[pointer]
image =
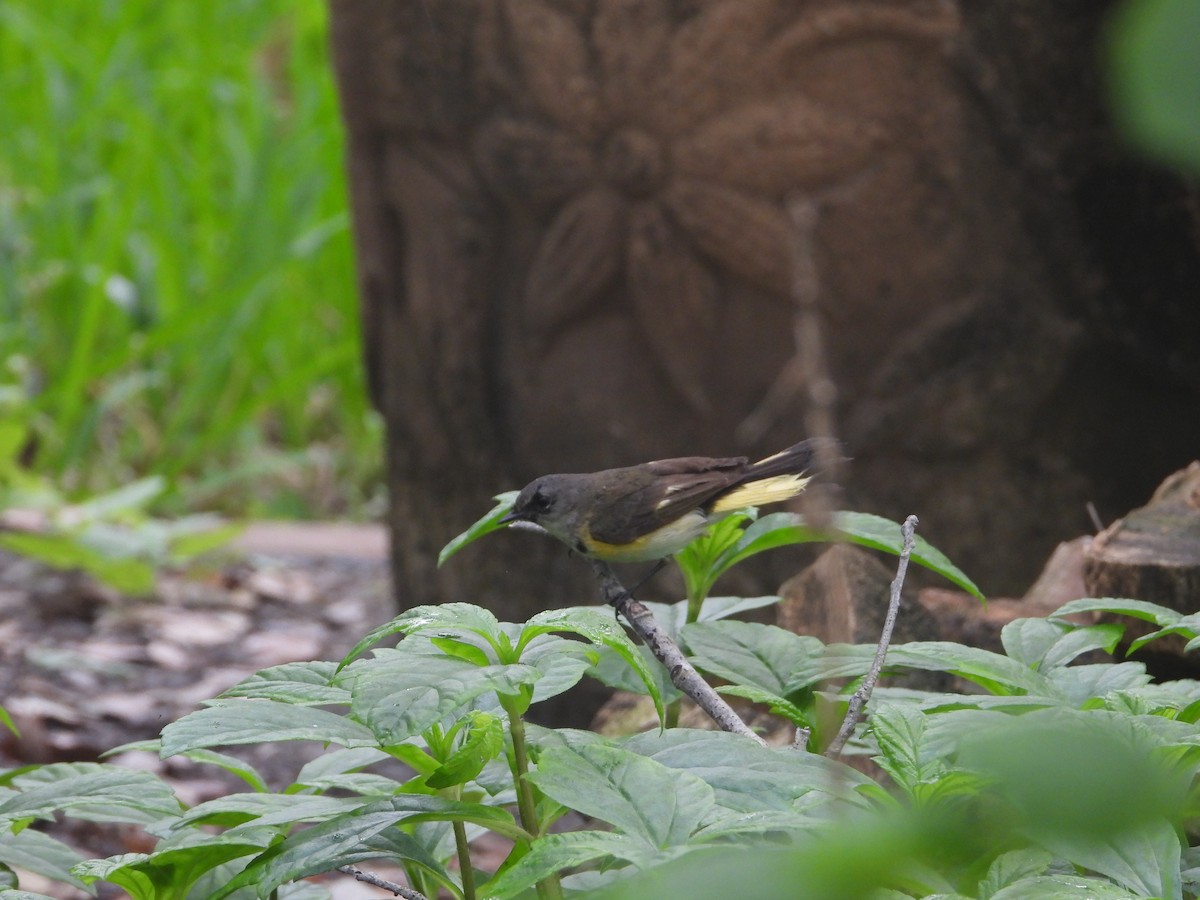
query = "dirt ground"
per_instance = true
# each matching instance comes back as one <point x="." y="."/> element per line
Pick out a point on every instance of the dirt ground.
<point x="83" y="670"/>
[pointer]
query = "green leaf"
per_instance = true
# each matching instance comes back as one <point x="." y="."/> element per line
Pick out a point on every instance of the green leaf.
<point x="752" y="654"/>
<point x="257" y="810"/>
<point x="300" y="683"/>
<point x="563" y="663"/>
<point x="1060" y="887"/>
<point x="338" y="762"/>
<point x="1012" y="867"/>
<point x="90" y="791"/>
<point x="186" y="547"/>
<point x="639" y="796"/>
<point x="39" y="853"/>
<point x="171" y="870"/>
<point x="65" y="551"/>
<point x="261" y="721"/>
<point x="131" y="497"/>
<point x="484" y="742"/>
<point x="446" y="616"/>
<point x="554" y="853"/>
<point x="1143" y="857"/>
<point x="1156" y="77"/>
<point x="899" y="732"/>
<point x="864" y="529"/>
<point x="1138" y="609"/>
<point x="599" y="627"/>
<point x="778" y="705"/>
<point x="231" y="764"/>
<point x="366" y="833"/>
<point x="746" y="777"/>
<point x="400" y="695"/>
<point x="489" y="523"/>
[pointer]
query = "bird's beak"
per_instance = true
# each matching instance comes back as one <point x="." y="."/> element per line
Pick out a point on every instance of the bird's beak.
<point x="511" y="517"/>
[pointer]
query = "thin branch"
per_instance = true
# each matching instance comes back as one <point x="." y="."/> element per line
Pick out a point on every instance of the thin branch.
<point x="397" y="889"/>
<point x="863" y="694"/>
<point x="666" y="651"/>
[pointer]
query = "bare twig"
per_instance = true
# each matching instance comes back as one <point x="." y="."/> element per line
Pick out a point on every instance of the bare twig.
<point x="397" y="889"/>
<point x="863" y="694"/>
<point x="683" y="674"/>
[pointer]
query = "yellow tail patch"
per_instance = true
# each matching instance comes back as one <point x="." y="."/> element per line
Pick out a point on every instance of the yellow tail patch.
<point x="760" y="493"/>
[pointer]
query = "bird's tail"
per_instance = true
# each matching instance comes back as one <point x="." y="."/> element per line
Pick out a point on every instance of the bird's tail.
<point x="777" y="478"/>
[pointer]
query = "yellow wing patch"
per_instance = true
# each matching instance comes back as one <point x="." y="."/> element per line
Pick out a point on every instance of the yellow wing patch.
<point x="760" y="493"/>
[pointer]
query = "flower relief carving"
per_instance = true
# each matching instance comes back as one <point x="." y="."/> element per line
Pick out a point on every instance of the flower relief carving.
<point x="660" y="151"/>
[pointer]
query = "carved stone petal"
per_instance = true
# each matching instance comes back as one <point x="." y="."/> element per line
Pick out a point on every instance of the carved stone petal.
<point x="554" y="60"/>
<point x="630" y="37"/>
<point x="675" y="301"/>
<point x="746" y="236"/>
<point x="713" y="59"/>
<point x="772" y="146"/>
<point x="579" y="257"/>
<point x="531" y="164"/>
<point x="845" y="23"/>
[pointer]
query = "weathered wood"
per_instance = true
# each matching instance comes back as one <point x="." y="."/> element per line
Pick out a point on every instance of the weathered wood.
<point x="1153" y="553"/>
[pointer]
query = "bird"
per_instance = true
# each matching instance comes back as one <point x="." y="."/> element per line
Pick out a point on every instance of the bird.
<point x="653" y="510"/>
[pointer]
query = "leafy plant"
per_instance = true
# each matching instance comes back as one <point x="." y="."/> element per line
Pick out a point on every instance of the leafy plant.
<point x="109" y="536"/>
<point x="1047" y="778"/>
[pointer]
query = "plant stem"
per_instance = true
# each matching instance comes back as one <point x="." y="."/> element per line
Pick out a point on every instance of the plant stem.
<point x="464" y="861"/>
<point x="549" y="888"/>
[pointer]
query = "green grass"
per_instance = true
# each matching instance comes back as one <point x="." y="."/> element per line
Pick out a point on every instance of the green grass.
<point x="176" y="280"/>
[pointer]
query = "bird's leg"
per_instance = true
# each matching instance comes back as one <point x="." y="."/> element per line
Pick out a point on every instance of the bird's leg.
<point x="658" y="567"/>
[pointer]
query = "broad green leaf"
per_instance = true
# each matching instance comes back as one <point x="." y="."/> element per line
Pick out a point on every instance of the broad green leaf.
<point x="778" y="705"/>
<point x="612" y="669"/>
<point x="598" y="627"/>
<point x="1060" y="887"/>
<point x="302" y="683"/>
<point x="700" y="561"/>
<point x="36" y="852"/>
<point x="339" y="762"/>
<point x="447" y="616"/>
<point x="127" y="498"/>
<point x="876" y="532"/>
<point x="563" y="664"/>
<point x="1142" y="857"/>
<point x="402" y="694"/>
<point x="65" y="551"/>
<point x="7" y="722"/>
<point x="1079" y="641"/>
<point x="486" y="525"/>
<point x="1187" y="627"/>
<point x="639" y="796"/>
<point x="1078" y="684"/>
<point x="1027" y="640"/>
<point x="1034" y="761"/>
<point x="748" y="653"/>
<point x="484" y="742"/>
<point x="554" y="853"/>
<point x="91" y="791"/>
<point x="231" y="764"/>
<point x="168" y="872"/>
<point x="899" y="731"/>
<point x="365" y="833"/>
<point x="745" y="776"/>
<point x="1012" y="867"/>
<point x="1138" y="609"/>
<point x="994" y="672"/>
<point x="191" y="544"/>
<point x="260" y="721"/>
<point x="266" y="809"/>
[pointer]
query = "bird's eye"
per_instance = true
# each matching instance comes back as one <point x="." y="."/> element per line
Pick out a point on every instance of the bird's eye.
<point x="540" y="502"/>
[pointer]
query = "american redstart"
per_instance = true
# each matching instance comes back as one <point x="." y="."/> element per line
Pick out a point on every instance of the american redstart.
<point x="646" y="512"/>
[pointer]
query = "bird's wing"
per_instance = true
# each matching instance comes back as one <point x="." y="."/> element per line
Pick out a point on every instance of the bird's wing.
<point x="644" y="504"/>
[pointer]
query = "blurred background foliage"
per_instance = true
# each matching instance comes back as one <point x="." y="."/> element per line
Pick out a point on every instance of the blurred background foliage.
<point x="177" y="293"/>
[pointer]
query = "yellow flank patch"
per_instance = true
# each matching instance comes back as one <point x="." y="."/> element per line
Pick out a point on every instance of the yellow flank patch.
<point x="669" y="539"/>
<point x="760" y="493"/>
